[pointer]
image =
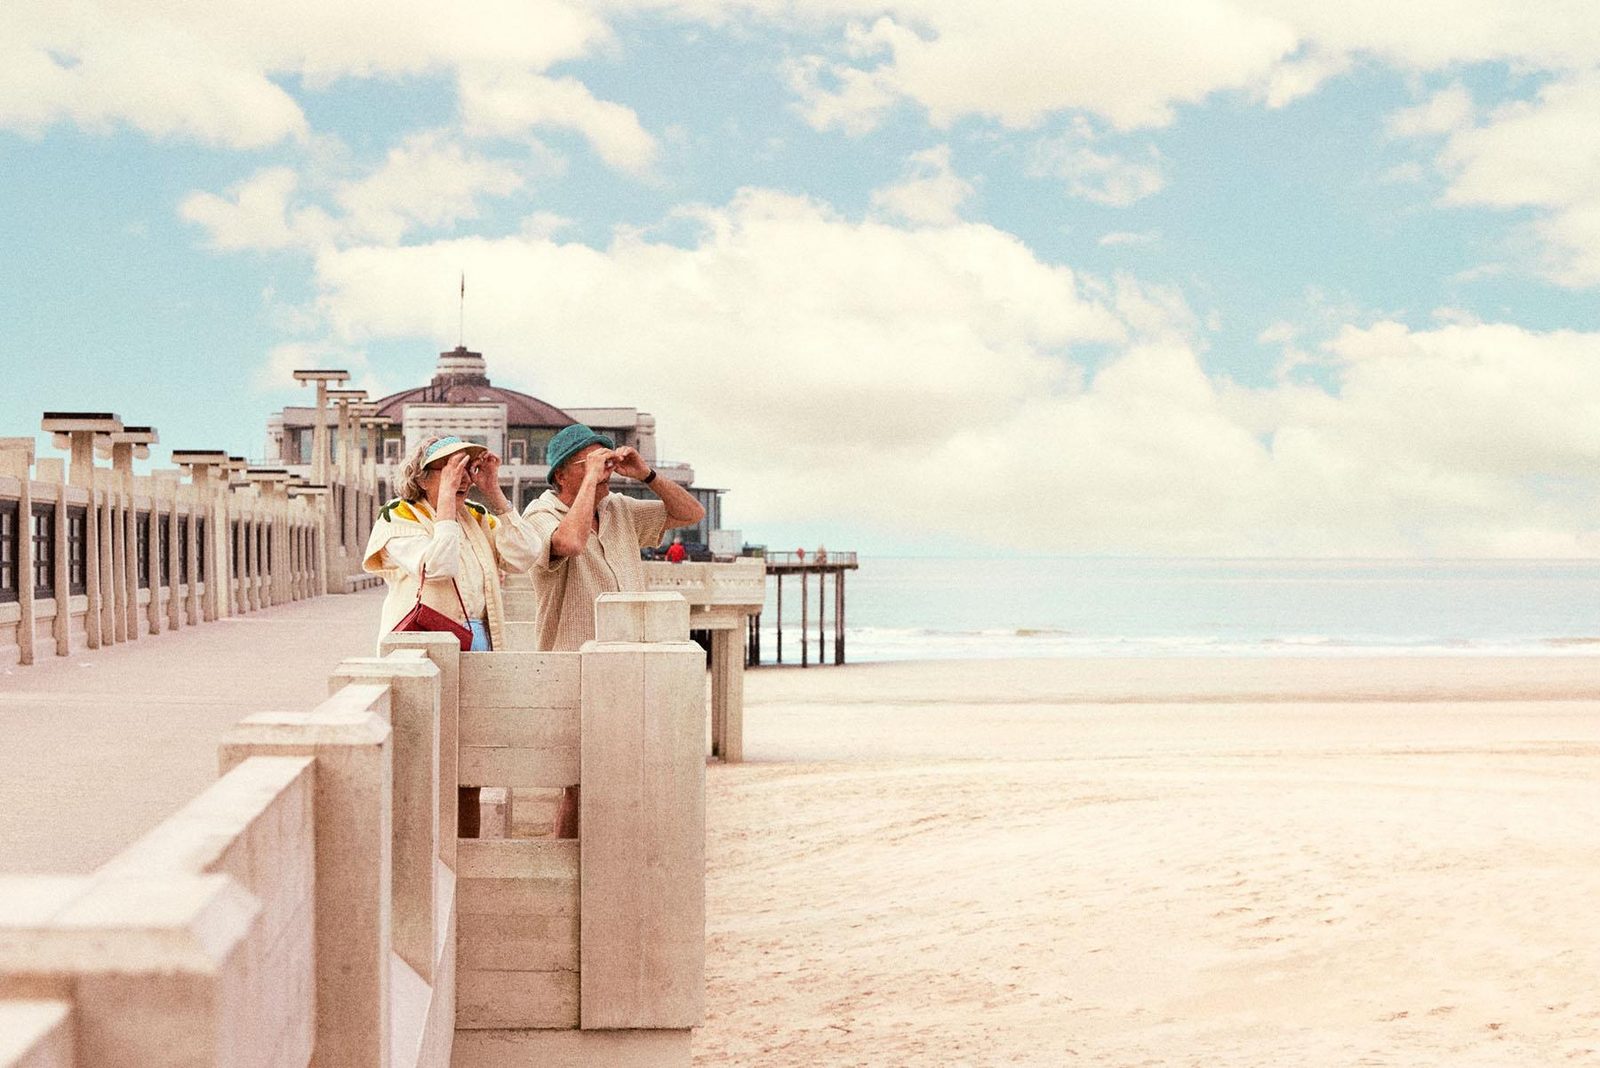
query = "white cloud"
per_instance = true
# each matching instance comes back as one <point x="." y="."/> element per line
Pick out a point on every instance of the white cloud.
<point x="106" y="70"/>
<point x="1132" y="64"/>
<point x="1102" y="177"/>
<point x="255" y="214"/>
<point x="1129" y="238"/>
<point x="823" y="366"/>
<point x="1300" y="77"/>
<point x="510" y="102"/>
<point x="428" y="180"/>
<point x="931" y="191"/>
<point x="1019" y="61"/>
<point x="277" y="373"/>
<point x="209" y="70"/>
<point x="1540" y="154"/>
<point x="1445" y="112"/>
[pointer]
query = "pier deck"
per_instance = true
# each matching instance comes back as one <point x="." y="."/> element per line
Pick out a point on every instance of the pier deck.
<point x="102" y="745"/>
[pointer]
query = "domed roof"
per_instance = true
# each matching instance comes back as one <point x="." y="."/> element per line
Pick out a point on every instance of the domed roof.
<point x="461" y="378"/>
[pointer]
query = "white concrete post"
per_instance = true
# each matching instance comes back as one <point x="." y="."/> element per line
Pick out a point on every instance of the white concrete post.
<point x="101" y="510"/>
<point x="63" y="575"/>
<point x="16" y="459"/>
<point x="82" y="474"/>
<point x="642" y="820"/>
<point x="414" y="719"/>
<point x="445" y="653"/>
<point x="727" y="695"/>
<point x="350" y="738"/>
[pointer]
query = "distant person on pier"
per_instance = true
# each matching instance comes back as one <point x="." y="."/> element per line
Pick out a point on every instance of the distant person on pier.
<point x="676" y="553"/>
<point x="588" y="542"/>
<point x="431" y="527"/>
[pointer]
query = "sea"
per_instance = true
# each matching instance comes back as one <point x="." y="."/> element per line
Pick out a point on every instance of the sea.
<point x="920" y="608"/>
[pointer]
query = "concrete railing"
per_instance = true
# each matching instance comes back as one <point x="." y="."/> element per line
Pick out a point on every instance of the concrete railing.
<point x="91" y="556"/>
<point x="738" y="583"/>
<point x="313" y="907"/>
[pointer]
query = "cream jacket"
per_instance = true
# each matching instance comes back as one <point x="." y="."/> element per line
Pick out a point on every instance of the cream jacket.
<point x="470" y="551"/>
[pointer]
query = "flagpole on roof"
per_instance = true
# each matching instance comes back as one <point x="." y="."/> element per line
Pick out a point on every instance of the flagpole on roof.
<point x="461" y="338"/>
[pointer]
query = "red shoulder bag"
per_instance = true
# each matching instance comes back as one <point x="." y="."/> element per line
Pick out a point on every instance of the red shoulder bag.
<point x="421" y="617"/>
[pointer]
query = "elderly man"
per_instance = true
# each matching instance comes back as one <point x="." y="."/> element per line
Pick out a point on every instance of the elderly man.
<point x="590" y="541"/>
<point x="591" y="537"/>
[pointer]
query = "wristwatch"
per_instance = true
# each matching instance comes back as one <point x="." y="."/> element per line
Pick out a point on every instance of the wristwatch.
<point x="651" y="477"/>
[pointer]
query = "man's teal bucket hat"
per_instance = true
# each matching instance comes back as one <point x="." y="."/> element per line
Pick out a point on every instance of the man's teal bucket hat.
<point x="571" y="440"/>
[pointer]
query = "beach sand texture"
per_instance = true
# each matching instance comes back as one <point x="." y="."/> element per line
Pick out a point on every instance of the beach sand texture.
<point x="1160" y="862"/>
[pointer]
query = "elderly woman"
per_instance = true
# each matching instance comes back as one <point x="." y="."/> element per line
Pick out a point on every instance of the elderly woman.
<point x="432" y="529"/>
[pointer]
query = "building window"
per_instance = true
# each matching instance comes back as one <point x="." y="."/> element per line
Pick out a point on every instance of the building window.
<point x="183" y="549"/>
<point x="141" y="531"/>
<point x="238" y="552"/>
<point x="391" y="450"/>
<point x="9" y="534"/>
<point x="44" y="550"/>
<point x="519" y="451"/>
<point x="200" y="557"/>
<point x="77" y="550"/>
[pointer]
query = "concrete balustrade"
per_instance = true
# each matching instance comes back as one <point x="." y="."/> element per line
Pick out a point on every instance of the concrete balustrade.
<point x="313" y="907"/>
<point x="93" y="556"/>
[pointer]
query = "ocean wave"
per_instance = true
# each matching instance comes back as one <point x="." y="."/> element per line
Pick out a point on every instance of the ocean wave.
<point x="931" y="643"/>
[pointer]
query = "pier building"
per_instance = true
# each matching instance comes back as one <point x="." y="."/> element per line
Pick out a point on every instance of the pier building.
<point x="461" y="400"/>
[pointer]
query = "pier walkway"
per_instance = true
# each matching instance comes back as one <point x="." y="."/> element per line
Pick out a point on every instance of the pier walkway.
<point x="102" y="745"/>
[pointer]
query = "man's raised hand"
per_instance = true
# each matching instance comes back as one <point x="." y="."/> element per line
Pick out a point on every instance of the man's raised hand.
<point x="630" y="463"/>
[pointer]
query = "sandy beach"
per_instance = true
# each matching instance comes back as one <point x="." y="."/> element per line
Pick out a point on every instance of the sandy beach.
<point x="1159" y="862"/>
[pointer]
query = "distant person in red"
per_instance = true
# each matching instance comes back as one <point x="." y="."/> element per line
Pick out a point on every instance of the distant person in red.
<point x="676" y="553"/>
<point x="801" y="554"/>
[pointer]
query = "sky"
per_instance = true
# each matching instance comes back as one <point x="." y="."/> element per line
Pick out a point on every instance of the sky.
<point x="1197" y="277"/>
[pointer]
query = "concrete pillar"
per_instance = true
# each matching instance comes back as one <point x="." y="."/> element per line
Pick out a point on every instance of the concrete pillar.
<point x="62" y="575"/>
<point x="127" y="563"/>
<point x="170" y="493"/>
<point x="16" y="460"/>
<point x="414" y="721"/>
<point x="350" y="738"/>
<point x="727" y="695"/>
<point x="319" y="435"/>
<point x="103" y="513"/>
<point x="191" y="525"/>
<point x="445" y="653"/>
<point x="117" y="516"/>
<point x="154" y="611"/>
<point x="642" y="823"/>
<point x="81" y="473"/>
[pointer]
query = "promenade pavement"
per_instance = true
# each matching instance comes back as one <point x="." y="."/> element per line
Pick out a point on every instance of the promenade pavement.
<point x="98" y="747"/>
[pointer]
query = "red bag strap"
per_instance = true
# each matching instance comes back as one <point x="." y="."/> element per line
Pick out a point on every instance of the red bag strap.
<point x="423" y="584"/>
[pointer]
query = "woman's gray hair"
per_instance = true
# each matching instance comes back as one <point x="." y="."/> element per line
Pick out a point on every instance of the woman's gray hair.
<point x="410" y="486"/>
